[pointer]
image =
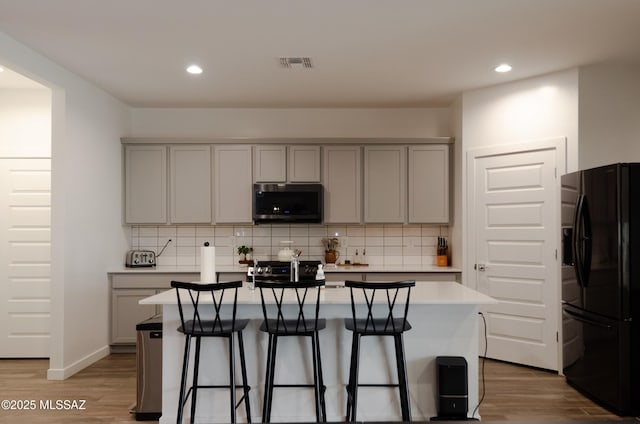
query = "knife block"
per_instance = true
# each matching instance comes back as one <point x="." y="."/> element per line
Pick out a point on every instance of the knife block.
<point x="442" y="258"/>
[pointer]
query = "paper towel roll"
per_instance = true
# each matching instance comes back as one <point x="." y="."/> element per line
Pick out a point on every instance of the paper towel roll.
<point x="208" y="264"/>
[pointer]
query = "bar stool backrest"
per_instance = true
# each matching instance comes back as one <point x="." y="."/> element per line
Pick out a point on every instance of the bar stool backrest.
<point x="290" y="307"/>
<point x="380" y="306"/>
<point x="194" y="298"/>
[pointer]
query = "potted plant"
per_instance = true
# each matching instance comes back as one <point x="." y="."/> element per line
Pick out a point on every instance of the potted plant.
<point x="245" y="253"/>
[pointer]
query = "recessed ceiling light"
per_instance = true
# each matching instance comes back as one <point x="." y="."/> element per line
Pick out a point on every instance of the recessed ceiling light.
<point x="503" y="68"/>
<point x="1" y="69"/>
<point x="194" y="69"/>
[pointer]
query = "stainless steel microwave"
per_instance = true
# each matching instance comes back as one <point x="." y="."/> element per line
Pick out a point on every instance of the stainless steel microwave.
<point x="287" y="203"/>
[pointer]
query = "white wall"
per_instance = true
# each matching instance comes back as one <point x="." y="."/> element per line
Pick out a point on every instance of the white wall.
<point x="456" y="225"/>
<point x="609" y="114"/>
<point x="532" y="109"/>
<point x="25" y="122"/>
<point x="274" y="123"/>
<point x="87" y="233"/>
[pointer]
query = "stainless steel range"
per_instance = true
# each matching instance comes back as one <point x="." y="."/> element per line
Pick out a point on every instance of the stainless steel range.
<point x="281" y="271"/>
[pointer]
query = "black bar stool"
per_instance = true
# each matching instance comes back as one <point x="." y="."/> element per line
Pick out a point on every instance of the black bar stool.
<point x="281" y="321"/>
<point x="384" y="315"/>
<point x="210" y="316"/>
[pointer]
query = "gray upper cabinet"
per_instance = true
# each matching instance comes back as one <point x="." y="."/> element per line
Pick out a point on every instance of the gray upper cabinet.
<point x="270" y="163"/>
<point x="212" y="183"/>
<point x="233" y="184"/>
<point x="385" y="184"/>
<point x="145" y="179"/>
<point x="429" y="184"/>
<point x="280" y="163"/>
<point x="304" y="164"/>
<point x="342" y="180"/>
<point x="190" y="184"/>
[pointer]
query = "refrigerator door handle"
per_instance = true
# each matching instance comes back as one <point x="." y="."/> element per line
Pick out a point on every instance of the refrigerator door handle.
<point x="580" y="318"/>
<point x="582" y="242"/>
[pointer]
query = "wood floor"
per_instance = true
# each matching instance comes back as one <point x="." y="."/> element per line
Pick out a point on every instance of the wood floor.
<point x="513" y="393"/>
<point x="518" y="393"/>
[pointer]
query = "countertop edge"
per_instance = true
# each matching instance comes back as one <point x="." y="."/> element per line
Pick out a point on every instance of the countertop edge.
<point x="426" y="293"/>
<point x="329" y="269"/>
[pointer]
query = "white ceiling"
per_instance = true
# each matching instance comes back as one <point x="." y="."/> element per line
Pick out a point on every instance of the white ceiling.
<point x="365" y="53"/>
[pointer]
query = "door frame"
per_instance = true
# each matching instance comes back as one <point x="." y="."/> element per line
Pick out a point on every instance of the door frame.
<point x="470" y="277"/>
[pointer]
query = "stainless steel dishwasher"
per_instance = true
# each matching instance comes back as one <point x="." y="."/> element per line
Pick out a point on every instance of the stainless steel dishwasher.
<point x="149" y="369"/>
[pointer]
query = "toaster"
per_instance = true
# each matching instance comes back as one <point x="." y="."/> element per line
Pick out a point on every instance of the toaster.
<point x="140" y="258"/>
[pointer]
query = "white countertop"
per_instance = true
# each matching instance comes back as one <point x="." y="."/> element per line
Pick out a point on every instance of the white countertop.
<point x="424" y="293"/>
<point x="190" y="269"/>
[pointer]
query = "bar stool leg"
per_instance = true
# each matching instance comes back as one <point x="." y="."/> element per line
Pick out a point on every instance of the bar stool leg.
<point x="267" y="378"/>
<point x="350" y="383"/>
<point x="268" y="390"/>
<point x="402" y="378"/>
<point x="183" y="379"/>
<point x="355" y="365"/>
<point x="232" y="378"/>
<point x="245" y="381"/>
<point x="323" y="405"/>
<point x="194" y="387"/>
<point x="316" y="378"/>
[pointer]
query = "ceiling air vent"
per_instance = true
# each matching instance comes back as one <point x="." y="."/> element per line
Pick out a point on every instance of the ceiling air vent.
<point x="295" y="62"/>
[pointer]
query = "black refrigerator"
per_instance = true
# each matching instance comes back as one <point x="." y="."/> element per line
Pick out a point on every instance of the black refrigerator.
<point x="601" y="284"/>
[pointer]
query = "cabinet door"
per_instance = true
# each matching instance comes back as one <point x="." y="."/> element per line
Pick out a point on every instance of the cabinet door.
<point x="342" y="180"/>
<point x="190" y="176"/>
<point x="385" y="184"/>
<point x="304" y="164"/>
<point x="270" y="164"/>
<point x="145" y="179"/>
<point x="126" y="313"/>
<point x="233" y="186"/>
<point x="429" y="184"/>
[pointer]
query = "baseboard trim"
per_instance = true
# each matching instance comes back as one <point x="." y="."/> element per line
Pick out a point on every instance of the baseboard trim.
<point x="79" y="365"/>
<point x="125" y="348"/>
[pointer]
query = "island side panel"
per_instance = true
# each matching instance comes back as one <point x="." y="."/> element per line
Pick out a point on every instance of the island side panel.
<point x="448" y="330"/>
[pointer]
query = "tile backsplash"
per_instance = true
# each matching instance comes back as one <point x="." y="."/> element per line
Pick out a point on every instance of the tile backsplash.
<point x="382" y="244"/>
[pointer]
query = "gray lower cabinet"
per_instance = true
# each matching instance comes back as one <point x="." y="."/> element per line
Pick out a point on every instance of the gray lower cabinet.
<point x="332" y="277"/>
<point x="126" y="313"/>
<point x="126" y="291"/>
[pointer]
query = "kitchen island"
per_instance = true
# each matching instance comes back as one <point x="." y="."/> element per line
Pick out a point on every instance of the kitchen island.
<point x="445" y="323"/>
<point x="130" y="285"/>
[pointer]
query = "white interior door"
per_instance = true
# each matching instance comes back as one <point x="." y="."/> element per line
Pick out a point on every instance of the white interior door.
<point x="25" y="257"/>
<point x="516" y="226"/>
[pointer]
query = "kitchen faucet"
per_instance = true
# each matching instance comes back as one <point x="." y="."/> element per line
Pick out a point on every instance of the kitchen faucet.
<point x="295" y="266"/>
<point x="252" y="283"/>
